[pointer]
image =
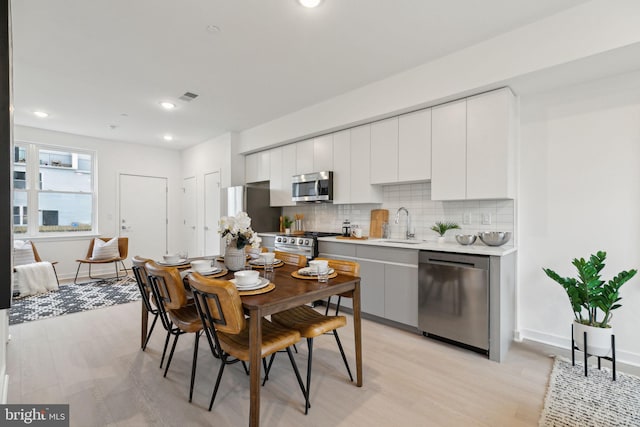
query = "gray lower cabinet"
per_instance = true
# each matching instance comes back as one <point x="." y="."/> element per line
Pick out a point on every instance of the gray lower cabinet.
<point x="389" y="279"/>
<point x="268" y="241"/>
<point x="401" y="294"/>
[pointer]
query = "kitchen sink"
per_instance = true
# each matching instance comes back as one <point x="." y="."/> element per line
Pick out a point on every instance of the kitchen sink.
<point x="403" y="241"/>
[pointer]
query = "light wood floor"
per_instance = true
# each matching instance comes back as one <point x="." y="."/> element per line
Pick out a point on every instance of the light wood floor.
<point x="92" y="361"/>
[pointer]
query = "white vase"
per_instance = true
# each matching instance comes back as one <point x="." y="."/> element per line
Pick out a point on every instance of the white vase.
<point x="441" y="239"/>
<point x="234" y="258"/>
<point x="598" y="339"/>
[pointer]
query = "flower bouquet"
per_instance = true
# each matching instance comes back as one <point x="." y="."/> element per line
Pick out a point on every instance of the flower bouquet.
<point x="237" y="231"/>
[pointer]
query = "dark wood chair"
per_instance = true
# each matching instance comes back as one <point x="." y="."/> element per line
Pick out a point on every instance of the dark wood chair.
<point x="123" y="248"/>
<point x="177" y="314"/>
<point x="312" y="324"/>
<point x="227" y="330"/>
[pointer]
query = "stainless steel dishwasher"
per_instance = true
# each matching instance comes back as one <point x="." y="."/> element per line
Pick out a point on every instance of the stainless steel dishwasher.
<point x="453" y="298"/>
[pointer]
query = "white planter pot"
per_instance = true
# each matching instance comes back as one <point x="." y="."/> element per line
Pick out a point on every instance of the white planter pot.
<point x="441" y="239"/>
<point x="598" y="339"/>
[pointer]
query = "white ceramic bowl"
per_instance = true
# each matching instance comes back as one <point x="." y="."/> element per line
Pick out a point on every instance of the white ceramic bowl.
<point x="254" y="253"/>
<point x="268" y="256"/>
<point x="319" y="265"/>
<point x="171" y="258"/>
<point x="246" y="277"/>
<point x="201" y="265"/>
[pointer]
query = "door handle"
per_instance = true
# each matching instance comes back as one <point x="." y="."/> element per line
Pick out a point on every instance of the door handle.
<point x="193" y="227"/>
<point x="206" y="228"/>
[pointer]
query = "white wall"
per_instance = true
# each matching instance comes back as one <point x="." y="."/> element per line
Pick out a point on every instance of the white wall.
<point x="209" y="156"/>
<point x="587" y="30"/>
<point x="579" y="175"/>
<point x="113" y="158"/>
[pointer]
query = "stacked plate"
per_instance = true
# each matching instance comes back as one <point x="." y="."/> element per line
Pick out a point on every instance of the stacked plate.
<point x="310" y="271"/>
<point x="261" y="283"/>
<point x="174" y="264"/>
<point x="260" y="262"/>
<point x="212" y="270"/>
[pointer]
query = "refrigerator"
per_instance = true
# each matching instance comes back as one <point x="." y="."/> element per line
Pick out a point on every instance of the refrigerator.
<point x="254" y="199"/>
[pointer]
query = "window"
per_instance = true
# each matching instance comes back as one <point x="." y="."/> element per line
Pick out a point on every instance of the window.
<point x="53" y="190"/>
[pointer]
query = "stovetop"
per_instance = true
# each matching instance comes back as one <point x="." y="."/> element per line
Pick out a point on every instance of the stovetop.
<point x="308" y="234"/>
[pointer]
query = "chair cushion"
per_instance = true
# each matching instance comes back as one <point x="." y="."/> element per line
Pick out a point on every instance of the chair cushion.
<point x="307" y="321"/>
<point x="23" y="253"/>
<point x="274" y="338"/>
<point x="105" y="250"/>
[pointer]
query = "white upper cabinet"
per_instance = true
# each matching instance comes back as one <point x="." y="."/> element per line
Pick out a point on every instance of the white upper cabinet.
<point x="342" y="167"/>
<point x="449" y="151"/>
<point x="384" y="151"/>
<point x="304" y="157"/>
<point x="361" y="189"/>
<point x="473" y="153"/>
<point x="283" y="167"/>
<point x="323" y="153"/>
<point x="414" y="146"/>
<point x="490" y="147"/>
<point x="401" y="148"/>
<point x="257" y="166"/>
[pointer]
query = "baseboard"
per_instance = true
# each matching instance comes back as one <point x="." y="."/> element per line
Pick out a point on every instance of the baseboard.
<point x="561" y="342"/>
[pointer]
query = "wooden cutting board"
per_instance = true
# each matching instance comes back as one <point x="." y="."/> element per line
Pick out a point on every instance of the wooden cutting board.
<point x="378" y="217"/>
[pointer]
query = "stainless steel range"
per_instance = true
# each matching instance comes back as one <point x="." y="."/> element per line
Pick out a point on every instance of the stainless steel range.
<point x="304" y="244"/>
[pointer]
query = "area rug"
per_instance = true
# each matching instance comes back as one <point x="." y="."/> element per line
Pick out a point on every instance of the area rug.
<point x="72" y="298"/>
<point x="594" y="401"/>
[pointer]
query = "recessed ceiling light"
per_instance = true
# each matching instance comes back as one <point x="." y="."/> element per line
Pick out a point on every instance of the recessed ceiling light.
<point x="168" y="105"/>
<point x="41" y="114"/>
<point x="168" y="138"/>
<point x="213" y="29"/>
<point x="310" y="3"/>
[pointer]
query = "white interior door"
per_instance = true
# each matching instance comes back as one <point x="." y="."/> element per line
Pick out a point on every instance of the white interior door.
<point x="143" y="214"/>
<point x="189" y="208"/>
<point x="211" y="213"/>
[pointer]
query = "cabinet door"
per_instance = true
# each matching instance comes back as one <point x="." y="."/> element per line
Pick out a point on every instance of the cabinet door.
<point x="448" y="145"/>
<point x="384" y="151"/>
<point x="257" y="166"/>
<point x="401" y="294"/>
<point x="304" y="157"/>
<point x="361" y="189"/>
<point x="276" y="196"/>
<point x="342" y="167"/>
<point x="372" y="287"/>
<point x="282" y="168"/>
<point x="323" y="153"/>
<point x="490" y="153"/>
<point x="414" y="146"/>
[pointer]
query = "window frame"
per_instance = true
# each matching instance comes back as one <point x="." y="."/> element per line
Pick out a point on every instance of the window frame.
<point x="33" y="190"/>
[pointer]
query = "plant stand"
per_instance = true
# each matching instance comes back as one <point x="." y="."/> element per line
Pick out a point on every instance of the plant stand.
<point x="612" y="359"/>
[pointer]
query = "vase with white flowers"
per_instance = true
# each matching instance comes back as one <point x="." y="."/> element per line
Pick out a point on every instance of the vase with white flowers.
<point x="237" y="233"/>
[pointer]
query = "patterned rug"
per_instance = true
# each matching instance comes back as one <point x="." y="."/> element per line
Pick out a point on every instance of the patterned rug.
<point x="594" y="401"/>
<point x="71" y="298"/>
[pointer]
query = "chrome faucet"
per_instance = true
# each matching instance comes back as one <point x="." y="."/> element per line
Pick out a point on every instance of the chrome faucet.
<point x="409" y="234"/>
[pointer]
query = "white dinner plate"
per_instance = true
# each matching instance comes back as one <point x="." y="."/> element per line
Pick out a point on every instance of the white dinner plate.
<point x="262" y="282"/>
<point x="261" y="262"/>
<point x="213" y="270"/>
<point x="309" y="271"/>
<point x="174" y="264"/>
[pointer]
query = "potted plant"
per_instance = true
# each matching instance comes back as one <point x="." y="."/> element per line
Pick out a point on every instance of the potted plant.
<point x="442" y="227"/>
<point x="237" y="233"/>
<point x="592" y="300"/>
<point x="287" y="222"/>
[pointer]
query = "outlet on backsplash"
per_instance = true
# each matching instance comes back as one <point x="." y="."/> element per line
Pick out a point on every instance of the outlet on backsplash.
<point x="486" y="218"/>
<point x="466" y="218"/>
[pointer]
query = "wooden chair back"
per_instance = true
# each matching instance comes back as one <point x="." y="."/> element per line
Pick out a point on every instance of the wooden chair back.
<point x="167" y="285"/>
<point x="348" y="268"/>
<point x="291" y="259"/>
<point x="141" y="275"/>
<point x="123" y="246"/>
<point x="218" y="303"/>
<point x="36" y="255"/>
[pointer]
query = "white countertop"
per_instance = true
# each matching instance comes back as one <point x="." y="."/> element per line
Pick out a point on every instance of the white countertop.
<point x="477" y="248"/>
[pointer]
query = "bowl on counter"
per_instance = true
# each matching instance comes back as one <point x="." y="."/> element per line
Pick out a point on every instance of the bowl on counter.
<point x="494" y="238"/>
<point x="466" y="239"/>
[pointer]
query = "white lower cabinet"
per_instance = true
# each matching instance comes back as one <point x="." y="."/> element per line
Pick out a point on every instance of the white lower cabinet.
<point x="388" y="279"/>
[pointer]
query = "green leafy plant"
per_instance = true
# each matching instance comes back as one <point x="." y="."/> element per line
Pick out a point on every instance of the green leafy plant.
<point x="442" y="227"/>
<point x="590" y="296"/>
<point x="287" y="222"/>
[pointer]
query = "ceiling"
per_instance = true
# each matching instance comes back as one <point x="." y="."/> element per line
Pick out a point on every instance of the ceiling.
<point x="100" y="68"/>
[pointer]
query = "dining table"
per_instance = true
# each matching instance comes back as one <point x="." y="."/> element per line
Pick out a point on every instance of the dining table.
<point x="289" y="292"/>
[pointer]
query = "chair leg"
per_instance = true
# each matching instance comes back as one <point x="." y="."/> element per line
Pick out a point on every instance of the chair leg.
<point x="310" y="358"/>
<point x="116" y="265"/>
<point x="153" y="324"/>
<point x="193" y="365"/>
<point x="56" y="274"/>
<point x="305" y="393"/>
<point x="173" y="347"/>
<point x="244" y="365"/>
<point x="215" y="388"/>
<point x="164" y="351"/>
<point x="75" y="280"/>
<point x="268" y="368"/>
<point x="344" y="357"/>
<point x="326" y="310"/>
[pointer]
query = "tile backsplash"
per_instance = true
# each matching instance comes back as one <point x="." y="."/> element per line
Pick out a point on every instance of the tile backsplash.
<point x="424" y="213"/>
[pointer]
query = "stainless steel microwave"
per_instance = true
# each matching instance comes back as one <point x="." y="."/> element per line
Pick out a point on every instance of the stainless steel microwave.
<point x="312" y="187"/>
